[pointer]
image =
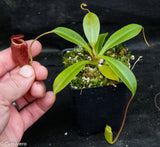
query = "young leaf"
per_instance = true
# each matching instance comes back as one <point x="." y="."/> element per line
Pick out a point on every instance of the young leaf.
<point x="108" y="72"/>
<point x="100" y="42"/>
<point x="64" y="78"/>
<point x="91" y="26"/>
<point x="123" y="72"/>
<point x="123" y="34"/>
<point x="73" y="37"/>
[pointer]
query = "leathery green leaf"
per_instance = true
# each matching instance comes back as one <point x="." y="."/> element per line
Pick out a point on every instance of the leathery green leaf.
<point x="91" y="26"/>
<point x="73" y="37"/>
<point x="123" y="34"/>
<point x="108" y="72"/>
<point x="100" y="42"/>
<point x="123" y="72"/>
<point x="64" y="78"/>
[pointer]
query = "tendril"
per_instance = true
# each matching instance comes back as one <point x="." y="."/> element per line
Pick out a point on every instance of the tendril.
<point x="85" y="9"/>
<point x="146" y="39"/>
<point x="108" y="129"/>
<point x="155" y="101"/>
<point x="30" y="51"/>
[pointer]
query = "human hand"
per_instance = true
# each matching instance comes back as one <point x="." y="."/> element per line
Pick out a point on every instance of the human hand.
<point x="24" y="86"/>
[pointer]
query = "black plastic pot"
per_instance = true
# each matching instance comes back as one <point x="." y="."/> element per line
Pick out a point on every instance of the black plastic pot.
<point x="96" y="107"/>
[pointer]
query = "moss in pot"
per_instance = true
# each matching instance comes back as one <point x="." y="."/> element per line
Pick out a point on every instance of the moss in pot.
<point x="108" y="60"/>
<point x="90" y="75"/>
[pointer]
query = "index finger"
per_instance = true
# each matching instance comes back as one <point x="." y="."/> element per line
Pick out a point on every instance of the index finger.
<point x="6" y="61"/>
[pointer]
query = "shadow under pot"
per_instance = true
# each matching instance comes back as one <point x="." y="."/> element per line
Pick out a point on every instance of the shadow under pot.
<point x="96" y="107"/>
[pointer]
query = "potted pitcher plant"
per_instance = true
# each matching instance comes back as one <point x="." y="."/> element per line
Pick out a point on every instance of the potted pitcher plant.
<point x="99" y="73"/>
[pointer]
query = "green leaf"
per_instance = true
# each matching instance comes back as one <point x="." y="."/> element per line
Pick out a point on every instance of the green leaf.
<point x="123" y="34"/>
<point x="100" y="42"/>
<point x="64" y="78"/>
<point x="73" y="37"/>
<point x="123" y="72"/>
<point x="91" y="26"/>
<point x="108" y="72"/>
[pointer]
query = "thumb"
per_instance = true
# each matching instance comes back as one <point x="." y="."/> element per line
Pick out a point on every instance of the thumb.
<point x="17" y="83"/>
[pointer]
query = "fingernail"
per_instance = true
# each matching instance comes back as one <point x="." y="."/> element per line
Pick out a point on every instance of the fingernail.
<point x="26" y="71"/>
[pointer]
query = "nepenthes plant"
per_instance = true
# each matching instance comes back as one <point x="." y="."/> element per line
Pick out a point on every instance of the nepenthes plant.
<point x="96" y="46"/>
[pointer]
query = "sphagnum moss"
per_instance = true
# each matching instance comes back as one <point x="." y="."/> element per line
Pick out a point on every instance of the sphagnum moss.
<point x="90" y="76"/>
